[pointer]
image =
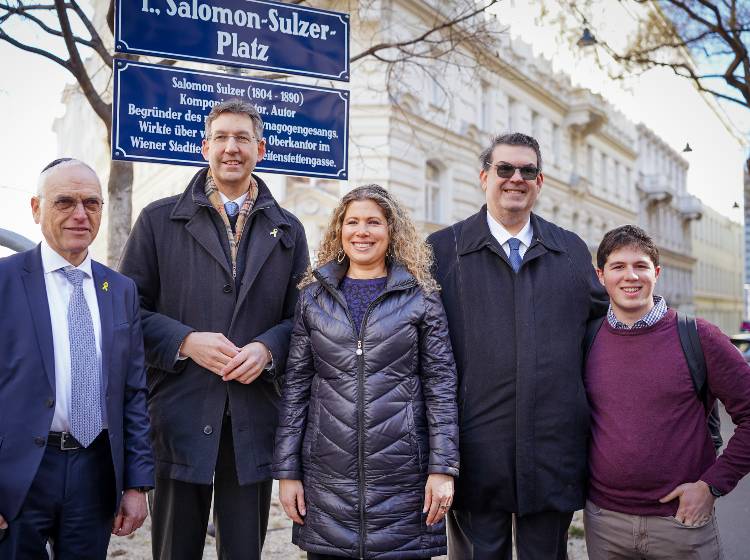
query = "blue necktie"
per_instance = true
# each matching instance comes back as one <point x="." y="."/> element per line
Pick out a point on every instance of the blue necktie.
<point x="232" y="209"/>
<point x="515" y="256"/>
<point x="86" y="412"/>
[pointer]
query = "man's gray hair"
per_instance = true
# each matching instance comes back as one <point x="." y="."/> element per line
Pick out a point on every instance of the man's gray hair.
<point x="510" y="139"/>
<point x="237" y="107"/>
<point x="59" y="164"/>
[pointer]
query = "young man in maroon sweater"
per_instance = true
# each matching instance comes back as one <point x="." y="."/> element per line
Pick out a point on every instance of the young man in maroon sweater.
<point x="654" y="475"/>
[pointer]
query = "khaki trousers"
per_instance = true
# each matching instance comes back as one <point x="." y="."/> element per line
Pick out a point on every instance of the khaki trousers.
<point x="619" y="536"/>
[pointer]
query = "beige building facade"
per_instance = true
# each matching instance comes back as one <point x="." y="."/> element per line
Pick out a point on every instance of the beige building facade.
<point x="719" y="269"/>
<point x="669" y="214"/>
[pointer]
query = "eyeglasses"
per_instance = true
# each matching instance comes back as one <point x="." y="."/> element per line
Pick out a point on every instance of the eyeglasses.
<point x="506" y="171"/>
<point x="239" y="138"/>
<point x="66" y="204"/>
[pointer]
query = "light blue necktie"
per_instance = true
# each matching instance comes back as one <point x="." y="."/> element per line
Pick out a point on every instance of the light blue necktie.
<point x="514" y="257"/>
<point x="86" y="411"/>
<point x="231" y="208"/>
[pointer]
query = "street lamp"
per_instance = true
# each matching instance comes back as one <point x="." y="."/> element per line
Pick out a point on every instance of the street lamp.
<point x="587" y="38"/>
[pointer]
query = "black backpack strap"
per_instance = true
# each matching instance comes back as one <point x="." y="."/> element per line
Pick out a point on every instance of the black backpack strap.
<point x="687" y="328"/>
<point x="714" y="427"/>
<point x="691" y="347"/>
<point x="592" y="328"/>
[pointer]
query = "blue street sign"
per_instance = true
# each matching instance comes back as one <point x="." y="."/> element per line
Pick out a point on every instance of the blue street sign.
<point x="158" y="115"/>
<point x="249" y="33"/>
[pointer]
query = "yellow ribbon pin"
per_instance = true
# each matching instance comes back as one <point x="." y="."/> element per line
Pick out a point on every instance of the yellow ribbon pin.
<point x="105" y="286"/>
<point x="274" y="232"/>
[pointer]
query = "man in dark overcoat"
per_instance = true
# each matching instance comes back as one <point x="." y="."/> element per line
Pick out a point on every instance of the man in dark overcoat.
<point x="518" y="291"/>
<point x="216" y="269"/>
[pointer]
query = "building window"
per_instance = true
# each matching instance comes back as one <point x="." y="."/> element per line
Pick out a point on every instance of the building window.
<point x="485" y="107"/>
<point x="438" y="93"/>
<point x="556" y="141"/>
<point x="432" y="202"/>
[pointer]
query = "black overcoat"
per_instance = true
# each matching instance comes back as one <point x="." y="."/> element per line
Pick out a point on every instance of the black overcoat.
<point x="366" y="416"/>
<point x="523" y="414"/>
<point x="185" y="283"/>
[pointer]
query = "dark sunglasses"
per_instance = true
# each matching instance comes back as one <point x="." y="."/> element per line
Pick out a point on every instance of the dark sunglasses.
<point x="506" y="171"/>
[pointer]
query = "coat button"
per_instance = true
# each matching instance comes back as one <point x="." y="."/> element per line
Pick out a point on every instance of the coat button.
<point x="208" y="430"/>
<point x="40" y="441"/>
<point x="227" y="288"/>
<point x="49" y="403"/>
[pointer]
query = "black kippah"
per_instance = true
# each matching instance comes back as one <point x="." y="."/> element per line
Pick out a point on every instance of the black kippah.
<point x="55" y="162"/>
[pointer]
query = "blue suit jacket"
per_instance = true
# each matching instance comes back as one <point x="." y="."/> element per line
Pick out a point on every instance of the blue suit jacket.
<point x="27" y="377"/>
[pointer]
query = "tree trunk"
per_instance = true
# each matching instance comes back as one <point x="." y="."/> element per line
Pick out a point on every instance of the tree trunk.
<point x="119" y="189"/>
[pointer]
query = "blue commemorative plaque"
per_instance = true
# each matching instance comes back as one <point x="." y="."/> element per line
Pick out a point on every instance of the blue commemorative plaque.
<point x="249" y="33"/>
<point x="158" y="115"/>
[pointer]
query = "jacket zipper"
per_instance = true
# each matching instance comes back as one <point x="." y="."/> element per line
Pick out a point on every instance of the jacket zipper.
<point x="360" y="424"/>
<point x="361" y="397"/>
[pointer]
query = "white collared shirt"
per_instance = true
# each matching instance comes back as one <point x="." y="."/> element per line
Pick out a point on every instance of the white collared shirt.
<point x="525" y="236"/>
<point x="238" y="201"/>
<point x="59" y="290"/>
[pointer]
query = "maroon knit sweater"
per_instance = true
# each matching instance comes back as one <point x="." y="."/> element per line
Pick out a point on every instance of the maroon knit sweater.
<point x="649" y="431"/>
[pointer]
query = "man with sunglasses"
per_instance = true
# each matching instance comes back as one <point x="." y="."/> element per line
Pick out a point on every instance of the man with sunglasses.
<point x="217" y="270"/>
<point x="75" y="455"/>
<point x="518" y="291"/>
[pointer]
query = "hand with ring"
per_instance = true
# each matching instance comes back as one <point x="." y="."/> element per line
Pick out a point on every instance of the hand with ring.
<point x="438" y="497"/>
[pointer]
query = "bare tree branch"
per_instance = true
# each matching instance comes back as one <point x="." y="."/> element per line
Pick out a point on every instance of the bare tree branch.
<point x="24" y="12"/>
<point x="423" y="37"/>
<point x="78" y="69"/>
<point x="715" y="32"/>
<point x="29" y="7"/>
<point x="34" y="50"/>
<point x="96" y="41"/>
<point x="21" y="11"/>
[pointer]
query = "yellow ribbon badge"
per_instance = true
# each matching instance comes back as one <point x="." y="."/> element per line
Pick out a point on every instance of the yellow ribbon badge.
<point x="105" y="286"/>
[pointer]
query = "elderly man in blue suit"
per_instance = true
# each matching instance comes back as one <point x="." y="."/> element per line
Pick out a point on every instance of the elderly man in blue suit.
<point x="75" y="456"/>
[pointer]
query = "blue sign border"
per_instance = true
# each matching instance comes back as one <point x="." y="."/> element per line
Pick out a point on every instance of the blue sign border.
<point x="119" y="153"/>
<point x="343" y="75"/>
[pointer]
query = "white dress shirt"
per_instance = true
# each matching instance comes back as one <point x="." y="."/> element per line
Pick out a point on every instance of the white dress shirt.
<point x="525" y="236"/>
<point x="59" y="290"/>
<point x="238" y="201"/>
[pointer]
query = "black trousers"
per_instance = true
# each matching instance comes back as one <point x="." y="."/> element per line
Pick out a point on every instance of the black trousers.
<point x="71" y="503"/>
<point x="489" y="535"/>
<point x="180" y="510"/>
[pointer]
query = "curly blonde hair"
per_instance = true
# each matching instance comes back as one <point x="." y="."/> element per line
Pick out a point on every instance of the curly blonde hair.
<point x="405" y="245"/>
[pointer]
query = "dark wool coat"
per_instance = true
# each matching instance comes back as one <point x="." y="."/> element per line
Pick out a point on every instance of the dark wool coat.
<point x="184" y="280"/>
<point x="517" y="338"/>
<point x="363" y="430"/>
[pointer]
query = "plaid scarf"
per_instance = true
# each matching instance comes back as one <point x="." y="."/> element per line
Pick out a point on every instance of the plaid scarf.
<point x="234" y="237"/>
